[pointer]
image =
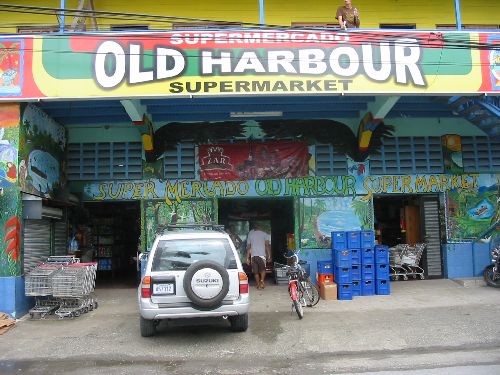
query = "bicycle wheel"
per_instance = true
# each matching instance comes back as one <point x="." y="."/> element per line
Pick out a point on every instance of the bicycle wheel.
<point x="311" y="293"/>
<point x="298" y="308"/>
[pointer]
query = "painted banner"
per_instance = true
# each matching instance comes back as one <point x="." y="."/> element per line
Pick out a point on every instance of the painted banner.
<point x="342" y="186"/>
<point x="252" y="161"/>
<point x="249" y="62"/>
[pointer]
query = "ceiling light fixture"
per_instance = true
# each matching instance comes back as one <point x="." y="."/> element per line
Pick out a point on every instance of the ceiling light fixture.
<point x="256" y="114"/>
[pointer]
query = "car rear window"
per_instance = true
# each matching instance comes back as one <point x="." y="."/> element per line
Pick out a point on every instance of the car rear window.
<point x="178" y="255"/>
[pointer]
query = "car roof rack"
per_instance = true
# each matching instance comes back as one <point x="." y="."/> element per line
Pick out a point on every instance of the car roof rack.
<point x="199" y="226"/>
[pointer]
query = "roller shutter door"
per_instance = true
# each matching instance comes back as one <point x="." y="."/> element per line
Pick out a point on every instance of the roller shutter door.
<point x="60" y="238"/>
<point x="37" y="235"/>
<point x="432" y="236"/>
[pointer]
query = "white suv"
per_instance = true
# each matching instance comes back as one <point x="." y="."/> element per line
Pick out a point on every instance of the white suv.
<point x="193" y="273"/>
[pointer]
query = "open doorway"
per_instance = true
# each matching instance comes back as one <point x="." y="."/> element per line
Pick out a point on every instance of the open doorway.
<point x="275" y="216"/>
<point x="115" y="230"/>
<point x="411" y="219"/>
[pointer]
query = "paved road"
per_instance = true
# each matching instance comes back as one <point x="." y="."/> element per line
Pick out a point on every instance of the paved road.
<point x="423" y="325"/>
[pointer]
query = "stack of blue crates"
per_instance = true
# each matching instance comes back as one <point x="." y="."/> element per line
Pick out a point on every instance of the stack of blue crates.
<point x="342" y="265"/>
<point x="382" y="270"/>
<point x="367" y="242"/>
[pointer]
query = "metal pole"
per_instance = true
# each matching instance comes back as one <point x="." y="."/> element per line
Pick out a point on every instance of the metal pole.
<point x="458" y="15"/>
<point x="62" y="17"/>
<point x="261" y="12"/>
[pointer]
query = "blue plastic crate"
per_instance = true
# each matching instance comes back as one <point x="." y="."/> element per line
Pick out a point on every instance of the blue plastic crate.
<point x="339" y="241"/>
<point x="382" y="271"/>
<point x="325" y="266"/>
<point x="383" y="287"/>
<point x="344" y="291"/>
<point x="354" y="239"/>
<point x="356" y="271"/>
<point x="367" y="272"/>
<point x="342" y="258"/>
<point x="368" y="256"/>
<point x="367" y="238"/>
<point x="367" y="287"/>
<point x="342" y="275"/>
<point x="355" y="256"/>
<point x="356" y="288"/>
<point x="381" y="254"/>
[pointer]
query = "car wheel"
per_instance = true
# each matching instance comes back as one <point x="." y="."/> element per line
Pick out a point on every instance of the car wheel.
<point x="239" y="323"/>
<point x="148" y="327"/>
<point x="206" y="283"/>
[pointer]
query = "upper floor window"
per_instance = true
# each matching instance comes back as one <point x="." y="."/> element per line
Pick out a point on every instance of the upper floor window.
<point x="313" y="25"/>
<point x="126" y="27"/>
<point x="39" y="29"/>
<point x="204" y="25"/>
<point x="398" y="26"/>
<point x="467" y="26"/>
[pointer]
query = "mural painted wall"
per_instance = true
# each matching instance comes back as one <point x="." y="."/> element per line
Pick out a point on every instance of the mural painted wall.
<point x="43" y="147"/>
<point x="10" y="242"/>
<point x="158" y="214"/>
<point x="319" y="217"/>
<point x="474" y="212"/>
<point x="11" y="67"/>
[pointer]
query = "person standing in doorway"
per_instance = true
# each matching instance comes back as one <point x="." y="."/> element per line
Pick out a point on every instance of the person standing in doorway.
<point x="258" y="253"/>
<point x="348" y="16"/>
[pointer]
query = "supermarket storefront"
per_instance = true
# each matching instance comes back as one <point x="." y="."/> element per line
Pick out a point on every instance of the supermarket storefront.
<point x="308" y="200"/>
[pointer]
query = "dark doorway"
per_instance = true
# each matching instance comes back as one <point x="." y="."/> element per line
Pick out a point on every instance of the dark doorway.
<point x="410" y="219"/>
<point x="115" y="230"/>
<point x="276" y="215"/>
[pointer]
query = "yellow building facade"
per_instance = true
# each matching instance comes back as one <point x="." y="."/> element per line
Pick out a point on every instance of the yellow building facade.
<point x="286" y="13"/>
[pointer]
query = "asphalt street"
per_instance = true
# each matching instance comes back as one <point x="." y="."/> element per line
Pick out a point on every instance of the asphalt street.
<point x="423" y="327"/>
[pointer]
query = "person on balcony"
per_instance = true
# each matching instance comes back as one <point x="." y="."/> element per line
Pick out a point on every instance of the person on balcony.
<point x="347" y="16"/>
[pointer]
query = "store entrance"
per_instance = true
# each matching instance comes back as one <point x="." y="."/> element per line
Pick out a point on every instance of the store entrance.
<point x="115" y="230"/>
<point x="275" y="216"/>
<point x="410" y="219"/>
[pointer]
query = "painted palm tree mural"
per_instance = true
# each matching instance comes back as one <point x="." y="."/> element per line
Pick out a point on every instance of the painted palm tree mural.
<point x="319" y="217"/>
<point x="160" y="214"/>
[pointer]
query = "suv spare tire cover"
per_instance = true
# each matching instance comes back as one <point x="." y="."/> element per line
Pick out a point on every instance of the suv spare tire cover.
<point x="206" y="283"/>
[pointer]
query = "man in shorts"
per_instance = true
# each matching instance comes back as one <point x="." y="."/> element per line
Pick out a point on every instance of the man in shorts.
<point x="258" y="253"/>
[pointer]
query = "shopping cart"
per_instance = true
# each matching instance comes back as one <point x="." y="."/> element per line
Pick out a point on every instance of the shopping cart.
<point x="411" y="260"/>
<point x="397" y="270"/>
<point x="73" y="286"/>
<point x="404" y="260"/>
<point x="38" y="284"/>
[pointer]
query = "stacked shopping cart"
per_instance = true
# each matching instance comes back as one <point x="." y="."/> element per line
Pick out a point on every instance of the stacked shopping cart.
<point x="63" y="287"/>
<point x="404" y="261"/>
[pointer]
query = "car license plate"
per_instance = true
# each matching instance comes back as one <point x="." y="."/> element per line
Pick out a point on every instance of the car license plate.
<point x="163" y="288"/>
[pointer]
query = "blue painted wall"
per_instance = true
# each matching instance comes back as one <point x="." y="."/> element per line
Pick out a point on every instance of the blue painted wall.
<point x="463" y="260"/>
<point x="13" y="300"/>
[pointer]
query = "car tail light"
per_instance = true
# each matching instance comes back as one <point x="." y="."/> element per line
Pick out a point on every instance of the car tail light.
<point x="146" y="287"/>
<point x="243" y="282"/>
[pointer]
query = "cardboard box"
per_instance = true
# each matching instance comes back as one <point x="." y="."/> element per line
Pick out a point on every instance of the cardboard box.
<point x="328" y="290"/>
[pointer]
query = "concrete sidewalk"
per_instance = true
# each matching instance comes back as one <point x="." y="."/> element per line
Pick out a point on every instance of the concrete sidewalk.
<point x="419" y="318"/>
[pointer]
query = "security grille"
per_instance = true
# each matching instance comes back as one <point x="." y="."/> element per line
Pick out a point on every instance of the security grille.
<point x="37" y="242"/>
<point x="328" y="162"/>
<point x="408" y="155"/>
<point x="480" y="154"/>
<point x="101" y="161"/>
<point x="179" y="162"/>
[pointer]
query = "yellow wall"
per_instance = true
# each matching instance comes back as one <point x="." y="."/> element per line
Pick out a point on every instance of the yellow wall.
<point x="425" y="14"/>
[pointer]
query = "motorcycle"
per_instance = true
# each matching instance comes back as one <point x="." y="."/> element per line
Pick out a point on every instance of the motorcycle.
<point x="491" y="273"/>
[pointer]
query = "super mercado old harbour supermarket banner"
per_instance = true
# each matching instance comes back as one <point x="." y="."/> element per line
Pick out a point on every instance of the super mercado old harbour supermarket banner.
<point x="180" y="190"/>
<point x="248" y="61"/>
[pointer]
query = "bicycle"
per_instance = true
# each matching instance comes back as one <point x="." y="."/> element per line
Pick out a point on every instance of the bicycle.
<point x="300" y="287"/>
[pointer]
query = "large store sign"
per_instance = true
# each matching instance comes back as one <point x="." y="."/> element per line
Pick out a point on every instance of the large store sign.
<point x="250" y="61"/>
<point x="181" y="190"/>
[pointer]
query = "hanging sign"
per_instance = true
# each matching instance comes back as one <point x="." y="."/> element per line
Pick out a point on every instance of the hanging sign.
<point x="180" y="63"/>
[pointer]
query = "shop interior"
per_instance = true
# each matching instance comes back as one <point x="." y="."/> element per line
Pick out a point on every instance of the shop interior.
<point x="274" y="215"/>
<point x="108" y="233"/>
<point x="397" y="219"/>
